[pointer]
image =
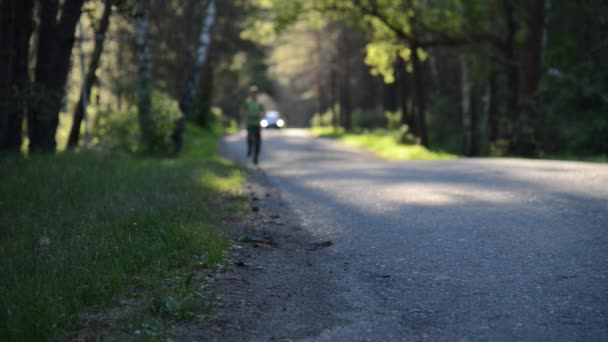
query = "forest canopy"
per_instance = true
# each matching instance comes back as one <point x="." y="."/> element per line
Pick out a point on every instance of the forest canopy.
<point x="492" y="77"/>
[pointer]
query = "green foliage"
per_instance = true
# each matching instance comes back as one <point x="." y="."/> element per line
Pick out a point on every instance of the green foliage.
<point x="445" y="122"/>
<point x="400" y="132"/>
<point x="499" y="148"/>
<point x="575" y="122"/>
<point x="393" y="120"/>
<point x="361" y="119"/>
<point x="115" y="131"/>
<point x="567" y="116"/>
<point x="207" y="116"/>
<point x="382" y="56"/>
<point x="220" y="123"/>
<point x="326" y="119"/>
<point x="78" y="228"/>
<point x="120" y="131"/>
<point x="164" y="113"/>
<point x="365" y="119"/>
<point x="573" y="99"/>
<point x="404" y="136"/>
<point x="574" y="118"/>
<point x="384" y="49"/>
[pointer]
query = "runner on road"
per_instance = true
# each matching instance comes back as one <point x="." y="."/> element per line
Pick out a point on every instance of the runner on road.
<point x="253" y="111"/>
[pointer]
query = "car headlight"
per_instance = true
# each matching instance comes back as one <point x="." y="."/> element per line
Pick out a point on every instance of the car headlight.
<point x="280" y="123"/>
<point x="264" y="123"/>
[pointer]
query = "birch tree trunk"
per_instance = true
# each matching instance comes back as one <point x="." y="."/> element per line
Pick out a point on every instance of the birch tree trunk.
<point x="144" y="90"/>
<point x="91" y="76"/>
<point x="194" y="78"/>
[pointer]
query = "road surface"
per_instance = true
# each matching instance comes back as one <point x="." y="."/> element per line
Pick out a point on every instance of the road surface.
<point x="469" y="249"/>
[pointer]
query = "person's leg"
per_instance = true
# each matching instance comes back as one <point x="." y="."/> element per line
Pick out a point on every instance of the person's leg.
<point x="249" y="141"/>
<point x="257" y="144"/>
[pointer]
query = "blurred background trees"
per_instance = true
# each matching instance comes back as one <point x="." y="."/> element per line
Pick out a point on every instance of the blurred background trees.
<point x="125" y="73"/>
<point x="491" y="77"/>
<point x="471" y="77"/>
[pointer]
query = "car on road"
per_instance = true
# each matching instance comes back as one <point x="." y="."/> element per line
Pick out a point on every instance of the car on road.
<point x="272" y="119"/>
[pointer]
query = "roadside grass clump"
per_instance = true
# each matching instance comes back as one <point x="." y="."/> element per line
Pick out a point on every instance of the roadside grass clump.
<point x="382" y="142"/>
<point x="79" y="229"/>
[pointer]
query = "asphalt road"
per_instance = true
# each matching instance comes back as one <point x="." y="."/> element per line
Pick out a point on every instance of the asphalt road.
<point x="471" y="249"/>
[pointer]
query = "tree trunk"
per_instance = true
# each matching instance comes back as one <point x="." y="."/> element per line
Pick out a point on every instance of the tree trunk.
<point x="420" y="98"/>
<point x="536" y="27"/>
<point x="91" y="76"/>
<point x="434" y="72"/>
<point x="205" y="97"/>
<point x="47" y="16"/>
<point x="492" y="108"/>
<point x="368" y="99"/>
<point x="319" y="95"/>
<point x="145" y="76"/>
<point x="510" y="59"/>
<point x="546" y="29"/>
<point x="333" y="84"/>
<point x="193" y="81"/>
<point x="56" y="39"/>
<point x="476" y="113"/>
<point x="345" y="76"/>
<point x="345" y="103"/>
<point x="407" y="117"/>
<point x="391" y="96"/>
<point x="524" y="139"/>
<point x="15" y="29"/>
<point x="465" y="98"/>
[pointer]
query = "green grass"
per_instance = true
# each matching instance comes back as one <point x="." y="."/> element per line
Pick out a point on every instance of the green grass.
<point x="80" y="229"/>
<point x="383" y="144"/>
<point x="570" y="157"/>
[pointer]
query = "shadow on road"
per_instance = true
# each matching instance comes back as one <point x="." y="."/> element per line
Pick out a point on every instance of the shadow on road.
<point x="508" y="249"/>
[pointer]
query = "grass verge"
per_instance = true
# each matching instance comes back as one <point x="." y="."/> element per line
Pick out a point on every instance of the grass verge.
<point x="79" y="229"/>
<point x="383" y="144"/>
<point x="570" y="157"/>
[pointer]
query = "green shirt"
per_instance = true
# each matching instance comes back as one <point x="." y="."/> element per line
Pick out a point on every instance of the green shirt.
<point x="253" y="109"/>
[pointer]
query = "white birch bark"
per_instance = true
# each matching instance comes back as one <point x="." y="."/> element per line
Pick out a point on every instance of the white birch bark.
<point x="202" y="51"/>
<point x="194" y="78"/>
